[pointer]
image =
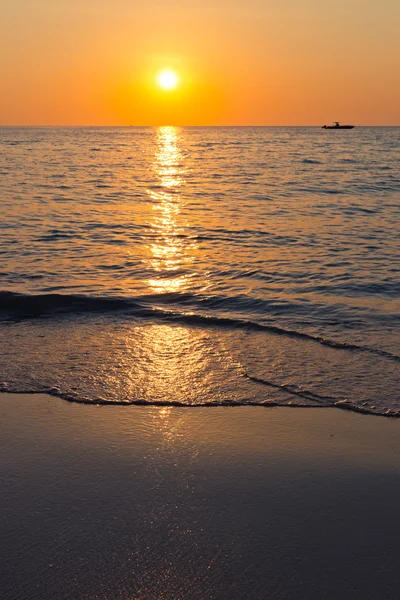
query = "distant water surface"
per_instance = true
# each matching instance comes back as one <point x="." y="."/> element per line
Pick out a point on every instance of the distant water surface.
<point x="202" y="265"/>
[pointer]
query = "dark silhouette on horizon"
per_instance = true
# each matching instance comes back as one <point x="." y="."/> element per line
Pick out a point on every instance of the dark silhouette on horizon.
<point x="337" y="126"/>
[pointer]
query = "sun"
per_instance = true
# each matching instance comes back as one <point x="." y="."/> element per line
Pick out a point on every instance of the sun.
<point x="167" y="79"/>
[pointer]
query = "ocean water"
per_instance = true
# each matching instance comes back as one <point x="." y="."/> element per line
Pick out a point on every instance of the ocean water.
<point x="202" y="266"/>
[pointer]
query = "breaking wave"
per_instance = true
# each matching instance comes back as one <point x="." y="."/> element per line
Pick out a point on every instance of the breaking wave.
<point x="16" y="306"/>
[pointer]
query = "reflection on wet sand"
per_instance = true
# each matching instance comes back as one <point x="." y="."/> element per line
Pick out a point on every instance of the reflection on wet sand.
<point x="172" y="250"/>
<point x="162" y="504"/>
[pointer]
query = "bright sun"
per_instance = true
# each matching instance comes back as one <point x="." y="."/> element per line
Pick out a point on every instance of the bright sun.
<point x="167" y="79"/>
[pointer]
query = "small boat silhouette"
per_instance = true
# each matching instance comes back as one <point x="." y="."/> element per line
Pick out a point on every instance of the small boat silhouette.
<point x="337" y="126"/>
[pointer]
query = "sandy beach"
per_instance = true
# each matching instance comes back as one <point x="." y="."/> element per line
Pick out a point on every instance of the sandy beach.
<point x="224" y="503"/>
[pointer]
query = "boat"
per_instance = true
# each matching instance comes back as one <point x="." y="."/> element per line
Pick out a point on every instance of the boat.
<point x="337" y="126"/>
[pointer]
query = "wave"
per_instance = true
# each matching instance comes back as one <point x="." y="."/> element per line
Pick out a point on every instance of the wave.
<point x="290" y="389"/>
<point x="18" y="306"/>
<point x="333" y="403"/>
<point x="37" y="305"/>
<point x="323" y="401"/>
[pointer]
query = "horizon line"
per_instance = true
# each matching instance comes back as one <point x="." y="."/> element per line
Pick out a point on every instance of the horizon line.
<point x="168" y="125"/>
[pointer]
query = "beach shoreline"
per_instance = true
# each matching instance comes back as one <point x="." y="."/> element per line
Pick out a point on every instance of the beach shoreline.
<point x="168" y="503"/>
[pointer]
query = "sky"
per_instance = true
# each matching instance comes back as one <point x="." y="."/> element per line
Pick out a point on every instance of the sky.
<point x="239" y="62"/>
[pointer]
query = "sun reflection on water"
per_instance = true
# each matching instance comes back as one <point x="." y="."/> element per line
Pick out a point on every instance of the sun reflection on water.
<point x="172" y="250"/>
<point x="169" y="158"/>
<point x="171" y="364"/>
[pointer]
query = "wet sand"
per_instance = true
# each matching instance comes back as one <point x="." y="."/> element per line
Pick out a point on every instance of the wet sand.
<point x="140" y="503"/>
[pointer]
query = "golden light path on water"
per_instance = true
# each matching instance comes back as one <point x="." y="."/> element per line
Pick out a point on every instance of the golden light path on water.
<point x="172" y="250"/>
<point x="173" y="362"/>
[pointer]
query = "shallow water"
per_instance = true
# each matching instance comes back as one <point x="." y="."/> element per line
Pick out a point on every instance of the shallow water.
<point x="202" y="265"/>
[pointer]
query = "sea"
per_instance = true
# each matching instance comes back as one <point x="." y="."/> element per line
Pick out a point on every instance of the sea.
<point x="202" y="267"/>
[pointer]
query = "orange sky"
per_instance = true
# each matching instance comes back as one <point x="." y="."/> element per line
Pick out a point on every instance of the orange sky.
<point x="240" y="62"/>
